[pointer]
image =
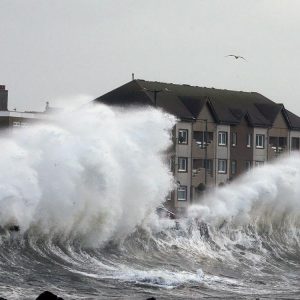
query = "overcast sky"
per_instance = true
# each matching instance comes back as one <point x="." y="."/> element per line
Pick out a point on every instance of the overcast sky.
<point x="69" y="50"/>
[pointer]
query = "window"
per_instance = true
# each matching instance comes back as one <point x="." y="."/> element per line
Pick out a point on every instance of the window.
<point x="202" y="165"/>
<point x="222" y="166"/>
<point x="203" y="138"/>
<point x="208" y="165"/>
<point x="260" y="141"/>
<point x="234" y="139"/>
<point x="171" y="163"/>
<point x="222" y="138"/>
<point x="182" y="164"/>
<point x="233" y="167"/>
<point x="169" y="196"/>
<point x="182" y="136"/>
<point x="273" y="142"/>
<point x="249" y="140"/>
<point x="248" y="165"/>
<point x="182" y="193"/>
<point x="259" y="163"/>
<point x="282" y="142"/>
<point x="199" y="164"/>
<point x="295" y="143"/>
<point x="277" y="143"/>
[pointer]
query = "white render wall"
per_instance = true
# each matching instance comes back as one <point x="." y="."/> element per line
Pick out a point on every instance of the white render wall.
<point x="183" y="150"/>
<point x="260" y="154"/>
<point x="223" y="152"/>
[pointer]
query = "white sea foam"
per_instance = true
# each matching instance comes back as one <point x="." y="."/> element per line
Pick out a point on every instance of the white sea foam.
<point x="160" y="277"/>
<point x="93" y="174"/>
<point x="270" y="193"/>
<point x="152" y="277"/>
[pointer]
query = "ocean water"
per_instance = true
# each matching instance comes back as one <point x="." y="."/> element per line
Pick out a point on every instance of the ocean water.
<point x="84" y="189"/>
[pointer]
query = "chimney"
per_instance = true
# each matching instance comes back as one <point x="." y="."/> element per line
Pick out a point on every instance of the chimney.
<point x="3" y="98"/>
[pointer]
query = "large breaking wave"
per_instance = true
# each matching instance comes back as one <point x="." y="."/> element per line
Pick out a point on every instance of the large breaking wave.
<point x="92" y="175"/>
<point x="84" y="189"/>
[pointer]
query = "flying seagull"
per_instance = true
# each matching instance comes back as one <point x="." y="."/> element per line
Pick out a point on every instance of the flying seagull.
<point x="236" y="56"/>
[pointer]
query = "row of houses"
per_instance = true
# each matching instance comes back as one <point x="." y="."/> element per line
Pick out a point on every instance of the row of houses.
<point x="219" y="135"/>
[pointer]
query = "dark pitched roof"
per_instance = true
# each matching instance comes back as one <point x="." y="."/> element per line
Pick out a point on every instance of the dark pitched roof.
<point x="133" y="93"/>
<point x="293" y="120"/>
<point x="185" y="101"/>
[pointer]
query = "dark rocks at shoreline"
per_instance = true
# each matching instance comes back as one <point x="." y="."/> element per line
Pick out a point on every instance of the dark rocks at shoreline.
<point x="48" y="296"/>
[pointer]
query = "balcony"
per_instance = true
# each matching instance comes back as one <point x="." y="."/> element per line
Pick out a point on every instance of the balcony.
<point x="199" y="148"/>
<point x="198" y="171"/>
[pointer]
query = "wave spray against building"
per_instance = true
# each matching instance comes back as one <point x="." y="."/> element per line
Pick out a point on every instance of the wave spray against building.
<point x="84" y="189"/>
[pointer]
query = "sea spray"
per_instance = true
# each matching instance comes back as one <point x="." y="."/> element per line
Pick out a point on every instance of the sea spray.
<point x="267" y="193"/>
<point x="91" y="175"/>
<point x="104" y="182"/>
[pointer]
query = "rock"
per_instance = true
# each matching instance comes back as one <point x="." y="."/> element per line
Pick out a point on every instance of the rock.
<point x="14" y="228"/>
<point x="48" y="296"/>
<point x="2" y="298"/>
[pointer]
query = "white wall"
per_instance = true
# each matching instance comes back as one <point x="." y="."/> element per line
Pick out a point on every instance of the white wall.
<point x="183" y="150"/>
<point x="260" y="154"/>
<point x="223" y="152"/>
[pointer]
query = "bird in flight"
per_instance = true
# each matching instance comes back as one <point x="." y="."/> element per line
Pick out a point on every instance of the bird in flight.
<point x="236" y="56"/>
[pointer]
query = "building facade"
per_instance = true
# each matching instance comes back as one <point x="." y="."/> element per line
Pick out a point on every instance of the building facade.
<point x="13" y="120"/>
<point x="220" y="133"/>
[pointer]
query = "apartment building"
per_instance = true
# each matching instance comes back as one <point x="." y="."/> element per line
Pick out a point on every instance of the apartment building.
<point x="220" y="133"/>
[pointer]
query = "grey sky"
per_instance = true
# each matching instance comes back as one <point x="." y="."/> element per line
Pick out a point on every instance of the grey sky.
<point x="61" y="49"/>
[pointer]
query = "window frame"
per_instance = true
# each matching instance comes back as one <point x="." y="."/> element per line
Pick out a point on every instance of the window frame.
<point x="248" y="165"/>
<point x="249" y="140"/>
<point x="219" y="165"/>
<point x="259" y="163"/>
<point x="208" y="166"/>
<point x="182" y="188"/>
<point x="169" y="196"/>
<point x="233" y="139"/>
<point x="233" y="162"/>
<point x="186" y="140"/>
<point x="220" y="142"/>
<point x="185" y="159"/>
<point x="257" y="146"/>
<point x="295" y="141"/>
<point x="203" y="138"/>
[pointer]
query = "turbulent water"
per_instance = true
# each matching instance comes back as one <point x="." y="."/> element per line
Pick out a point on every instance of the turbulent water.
<point x="84" y="189"/>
